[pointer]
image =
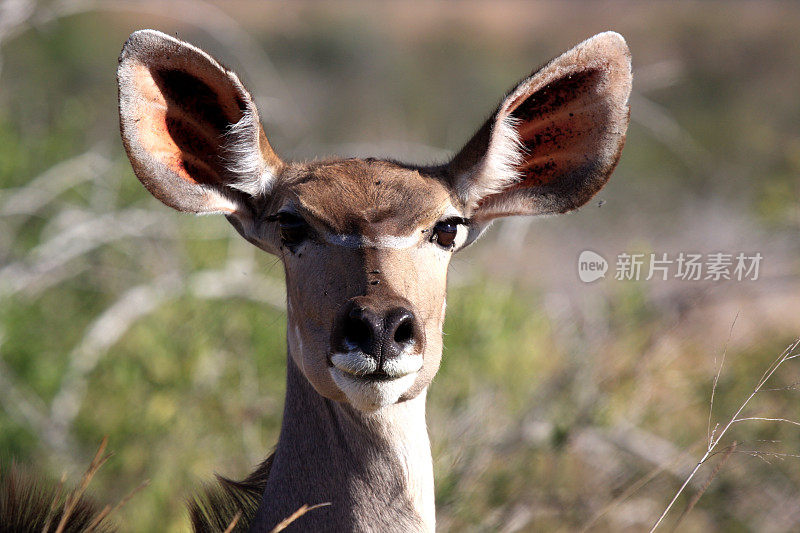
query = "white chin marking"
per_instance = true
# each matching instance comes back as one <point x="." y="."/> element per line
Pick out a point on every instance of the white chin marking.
<point x="371" y="395"/>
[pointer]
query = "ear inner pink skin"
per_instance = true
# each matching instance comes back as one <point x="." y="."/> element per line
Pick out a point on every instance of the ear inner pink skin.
<point x="556" y="138"/>
<point x="190" y="127"/>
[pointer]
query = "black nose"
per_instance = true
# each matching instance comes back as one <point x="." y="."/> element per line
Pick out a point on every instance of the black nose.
<point x="398" y="332"/>
<point x="381" y="335"/>
<point x="361" y="330"/>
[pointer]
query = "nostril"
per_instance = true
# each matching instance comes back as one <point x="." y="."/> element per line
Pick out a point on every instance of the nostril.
<point x="400" y="331"/>
<point x="404" y="333"/>
<point x="356" y="333"/>
<point x="363" y="328"/>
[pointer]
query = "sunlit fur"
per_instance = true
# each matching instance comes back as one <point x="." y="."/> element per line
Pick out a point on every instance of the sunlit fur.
<point x="360" y="442"/>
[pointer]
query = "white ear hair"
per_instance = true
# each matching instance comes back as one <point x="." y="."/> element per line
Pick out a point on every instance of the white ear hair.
<point x="190" y="127"/>
<point x="554" y="140"/>
<point x="243" y="160"/>
<point x="499" y="168"/>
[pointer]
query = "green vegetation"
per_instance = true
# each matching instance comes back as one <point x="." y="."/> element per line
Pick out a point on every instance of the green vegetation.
<point x="554" y="400"/>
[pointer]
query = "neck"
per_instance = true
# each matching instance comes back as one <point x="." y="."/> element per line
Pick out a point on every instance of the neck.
<point x="374" y="469"/>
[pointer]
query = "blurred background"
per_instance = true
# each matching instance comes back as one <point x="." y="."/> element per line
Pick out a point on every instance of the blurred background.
<point x="560" y="405"/>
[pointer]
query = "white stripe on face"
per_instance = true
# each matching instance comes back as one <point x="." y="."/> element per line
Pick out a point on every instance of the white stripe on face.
<point x="390" y="242"/>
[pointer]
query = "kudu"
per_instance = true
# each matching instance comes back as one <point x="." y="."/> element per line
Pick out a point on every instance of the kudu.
<point x="365" y="244"/>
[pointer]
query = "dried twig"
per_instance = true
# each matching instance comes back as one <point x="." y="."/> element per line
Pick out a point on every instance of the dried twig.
<point x="709" y="431"/>
<point x="297" y="514"/>
<point x="102" y="515"/>
<point x="784" y="420"/>
<point x="108" y="510"/>
<point x="232" y="525"/>
<point x="54" y="503"/>
<point x="129" y="496"/>
<point x="74" y="497"/>
<point x="785" y="356"/>
<point x="696" y="497"/>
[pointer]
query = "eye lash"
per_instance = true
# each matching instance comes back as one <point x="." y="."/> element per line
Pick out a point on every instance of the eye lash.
<point x="459" y="221"/>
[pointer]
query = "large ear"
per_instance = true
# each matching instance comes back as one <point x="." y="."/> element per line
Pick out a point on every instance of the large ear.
<point x="190" y="128"/>
<point x="554" y="140"/>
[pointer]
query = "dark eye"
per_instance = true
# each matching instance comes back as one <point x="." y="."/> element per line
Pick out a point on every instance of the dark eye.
<point x="292" y="228"/>
<point x="445" y="231"/>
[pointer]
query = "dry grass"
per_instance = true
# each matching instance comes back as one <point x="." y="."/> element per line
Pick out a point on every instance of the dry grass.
<point x="75" y="496"/>
<point x="295" y="515"/>
<point x="714" y="438"/>
<point x="558" y="406"/>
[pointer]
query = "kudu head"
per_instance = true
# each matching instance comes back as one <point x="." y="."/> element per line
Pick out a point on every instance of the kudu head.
<point x="366" y="243"/>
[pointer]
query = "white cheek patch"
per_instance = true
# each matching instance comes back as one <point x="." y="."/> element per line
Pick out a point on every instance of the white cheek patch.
<point x="388" y="242"/>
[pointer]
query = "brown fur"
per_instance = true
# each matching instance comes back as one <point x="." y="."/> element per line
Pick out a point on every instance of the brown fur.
<point x="354" y="195"/>
<point x="369" y="240"/>
<point x="331" y="453"/>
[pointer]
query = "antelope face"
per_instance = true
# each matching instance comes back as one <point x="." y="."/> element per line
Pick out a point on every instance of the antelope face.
<point x="365" y="243"/>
